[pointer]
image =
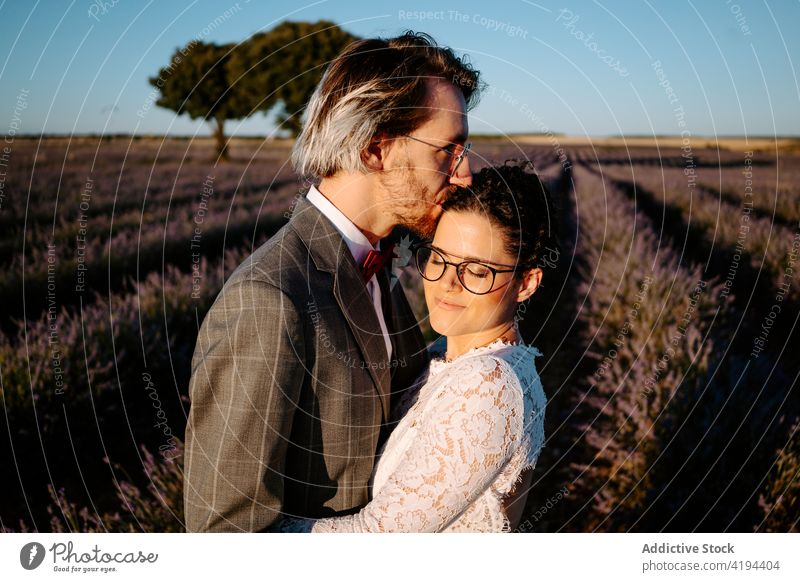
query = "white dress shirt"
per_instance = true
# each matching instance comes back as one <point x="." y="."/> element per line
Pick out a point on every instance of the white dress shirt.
<point x="359" y="247"/>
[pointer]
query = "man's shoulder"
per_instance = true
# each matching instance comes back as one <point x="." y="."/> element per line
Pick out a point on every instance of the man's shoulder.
<point x="281" y="262"/>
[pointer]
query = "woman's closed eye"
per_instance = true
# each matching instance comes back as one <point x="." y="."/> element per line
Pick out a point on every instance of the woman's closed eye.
<point x="478" y="270"/>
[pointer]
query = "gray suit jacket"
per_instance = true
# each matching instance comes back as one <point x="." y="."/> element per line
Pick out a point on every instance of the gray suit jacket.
<point x="291" y="388"/>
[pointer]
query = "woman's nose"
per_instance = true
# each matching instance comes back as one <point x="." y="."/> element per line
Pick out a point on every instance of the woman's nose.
<point x="449" y="280"/>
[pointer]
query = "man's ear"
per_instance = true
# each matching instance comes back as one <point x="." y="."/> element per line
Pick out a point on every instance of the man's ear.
<point x="531" y="279"/>
<point x="374" y="155"/>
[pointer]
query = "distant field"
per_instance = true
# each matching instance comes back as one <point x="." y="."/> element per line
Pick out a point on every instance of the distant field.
<point x="765" y="144"/>
<point x="668" y="329"/>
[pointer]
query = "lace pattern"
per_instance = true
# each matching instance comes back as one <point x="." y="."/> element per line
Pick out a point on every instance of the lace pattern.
<point x="464" y="439"/>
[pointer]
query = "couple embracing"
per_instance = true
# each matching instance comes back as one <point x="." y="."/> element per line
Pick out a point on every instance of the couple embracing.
<point x="315" y="403"/>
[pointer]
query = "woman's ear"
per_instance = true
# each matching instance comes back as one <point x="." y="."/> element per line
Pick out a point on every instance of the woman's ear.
<point x="374" y="155"/>
<point x="531" y="279"/>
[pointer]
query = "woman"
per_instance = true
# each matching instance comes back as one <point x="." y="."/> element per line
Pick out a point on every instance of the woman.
<point x="460" y="459"/>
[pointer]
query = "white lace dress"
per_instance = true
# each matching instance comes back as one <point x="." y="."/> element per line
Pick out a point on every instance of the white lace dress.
<point x="464" y="439"/>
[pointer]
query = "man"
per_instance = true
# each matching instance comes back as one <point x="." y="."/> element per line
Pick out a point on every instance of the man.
<point x="303" y="353"/>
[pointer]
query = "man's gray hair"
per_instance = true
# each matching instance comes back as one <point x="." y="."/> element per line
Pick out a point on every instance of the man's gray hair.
<point x="376" y="86"/>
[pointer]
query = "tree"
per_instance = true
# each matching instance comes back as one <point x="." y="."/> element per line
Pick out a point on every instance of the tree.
<point x="285" y="65"/>
<point x="195" y="82"/>
<point x="280" y="67"/>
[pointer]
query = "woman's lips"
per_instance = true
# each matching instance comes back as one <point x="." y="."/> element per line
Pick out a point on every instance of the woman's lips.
<point x="447" y="306"/>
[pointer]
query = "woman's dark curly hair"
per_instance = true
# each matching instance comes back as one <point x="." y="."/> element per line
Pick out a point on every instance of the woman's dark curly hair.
<point x="515" y="200"/>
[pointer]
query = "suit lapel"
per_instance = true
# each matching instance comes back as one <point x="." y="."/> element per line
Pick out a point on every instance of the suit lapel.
<point x="329" y="253"/>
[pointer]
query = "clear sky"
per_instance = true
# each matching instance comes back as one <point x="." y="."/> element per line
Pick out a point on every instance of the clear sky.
<point x="713" y="67"/>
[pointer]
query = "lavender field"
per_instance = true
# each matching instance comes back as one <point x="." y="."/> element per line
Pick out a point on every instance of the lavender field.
<point x="668" y="328"/>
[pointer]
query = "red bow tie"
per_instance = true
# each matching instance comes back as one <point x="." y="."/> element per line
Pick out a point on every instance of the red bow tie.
<point x="375" y="261"/>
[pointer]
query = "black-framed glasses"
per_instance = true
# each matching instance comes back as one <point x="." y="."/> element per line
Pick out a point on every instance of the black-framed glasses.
<point x="457" y="152"/>
<point x="476" y="277"/>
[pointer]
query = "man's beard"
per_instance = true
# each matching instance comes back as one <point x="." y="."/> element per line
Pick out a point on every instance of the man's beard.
<point x="411" y="203"/>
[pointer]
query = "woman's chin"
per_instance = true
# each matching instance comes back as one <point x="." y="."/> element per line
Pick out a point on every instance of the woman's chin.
<point x="444" y="325"/>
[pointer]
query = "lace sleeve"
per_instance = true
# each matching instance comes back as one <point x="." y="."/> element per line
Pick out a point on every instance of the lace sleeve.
<point x="468" y="433"/>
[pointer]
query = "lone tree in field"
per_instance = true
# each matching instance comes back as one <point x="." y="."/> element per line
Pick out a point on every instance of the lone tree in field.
<point x="276" y="68"/>
<point x="196" y="82"/>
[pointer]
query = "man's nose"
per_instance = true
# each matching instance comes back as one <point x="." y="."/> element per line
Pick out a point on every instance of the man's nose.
<point x="463" y="175"/>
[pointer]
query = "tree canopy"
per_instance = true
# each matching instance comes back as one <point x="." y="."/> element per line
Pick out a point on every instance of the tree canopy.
<point x="278" y="69"/>
<point x="284" y="66"/>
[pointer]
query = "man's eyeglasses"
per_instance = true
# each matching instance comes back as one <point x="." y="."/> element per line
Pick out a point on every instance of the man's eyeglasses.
<point x="475" y="276"/>
<point x="457" y="152"/>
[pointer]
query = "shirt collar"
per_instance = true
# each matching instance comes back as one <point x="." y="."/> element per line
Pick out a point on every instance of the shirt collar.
<point x="356" y="241"/>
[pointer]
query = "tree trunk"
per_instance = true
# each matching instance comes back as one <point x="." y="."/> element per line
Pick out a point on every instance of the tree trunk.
<point x="219" y="137"/>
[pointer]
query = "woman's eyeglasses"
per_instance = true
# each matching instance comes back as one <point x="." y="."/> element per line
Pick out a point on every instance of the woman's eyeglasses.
<point x="475" y="276"/>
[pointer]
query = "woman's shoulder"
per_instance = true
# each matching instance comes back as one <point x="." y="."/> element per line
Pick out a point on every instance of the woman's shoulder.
<point x="503" y="362"/>
<point x="438" y="348"/>
<point x="516" y="355"/>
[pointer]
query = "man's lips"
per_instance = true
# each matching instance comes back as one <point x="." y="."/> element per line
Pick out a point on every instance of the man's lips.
<point x="447" y="306"/>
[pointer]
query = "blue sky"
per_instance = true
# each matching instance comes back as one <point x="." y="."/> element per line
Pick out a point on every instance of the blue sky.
<point x="581" y="68"/>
